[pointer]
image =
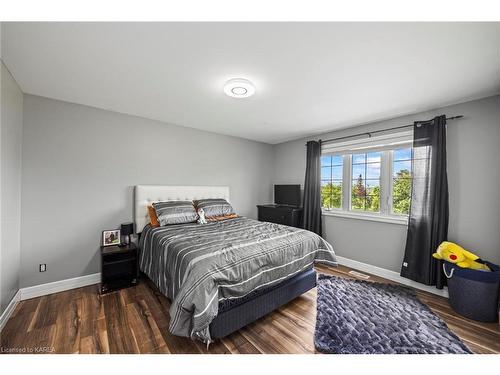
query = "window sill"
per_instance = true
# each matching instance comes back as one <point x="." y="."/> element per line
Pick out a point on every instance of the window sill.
<point x="392" y="219"/>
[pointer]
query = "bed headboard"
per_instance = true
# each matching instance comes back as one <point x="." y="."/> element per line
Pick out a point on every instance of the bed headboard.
<point x="144" y="195"/>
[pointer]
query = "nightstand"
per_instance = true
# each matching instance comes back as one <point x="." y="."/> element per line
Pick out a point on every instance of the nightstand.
<point x="119" y="267"/>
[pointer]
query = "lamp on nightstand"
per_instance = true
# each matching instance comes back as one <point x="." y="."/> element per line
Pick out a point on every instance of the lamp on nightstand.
<point x="126" y="230"/>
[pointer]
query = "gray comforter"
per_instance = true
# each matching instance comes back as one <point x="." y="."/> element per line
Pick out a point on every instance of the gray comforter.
<point x="198" y="265"/>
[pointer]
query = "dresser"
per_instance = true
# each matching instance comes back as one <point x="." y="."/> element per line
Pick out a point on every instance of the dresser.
<point x="280" y="214"/>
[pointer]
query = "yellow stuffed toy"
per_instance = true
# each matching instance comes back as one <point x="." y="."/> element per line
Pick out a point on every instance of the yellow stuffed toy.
<point x="453" y="253"/>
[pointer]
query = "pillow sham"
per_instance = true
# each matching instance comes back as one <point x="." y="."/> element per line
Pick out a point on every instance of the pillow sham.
<point x="214" y="207"/>
<point x="175" y="212"/>
<point x="153" y="219"/>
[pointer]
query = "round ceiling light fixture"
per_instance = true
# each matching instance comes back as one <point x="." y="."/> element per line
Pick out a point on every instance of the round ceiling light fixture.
<point x="239" y="88"/>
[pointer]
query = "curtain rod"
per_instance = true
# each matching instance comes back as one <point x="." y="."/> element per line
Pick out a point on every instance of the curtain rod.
<point x="369" y="134"/>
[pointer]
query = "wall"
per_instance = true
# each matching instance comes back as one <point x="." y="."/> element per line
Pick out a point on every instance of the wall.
<point x="473" y="176"/>
<point x="11" y="139"/>
<point x="80" y="165"/>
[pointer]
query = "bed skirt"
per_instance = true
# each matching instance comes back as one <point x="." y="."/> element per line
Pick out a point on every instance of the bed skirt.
<point x="244" y="311"/>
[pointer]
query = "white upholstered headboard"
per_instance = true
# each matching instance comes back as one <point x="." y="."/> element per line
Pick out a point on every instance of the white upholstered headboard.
<point x="144" y="195"/>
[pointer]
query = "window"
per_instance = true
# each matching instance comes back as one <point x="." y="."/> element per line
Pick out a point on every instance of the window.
<point x="368" y="178"/>
<point x="365" y="187"/>
<point x="331" y="181"/>
<point x="401" y="180"/>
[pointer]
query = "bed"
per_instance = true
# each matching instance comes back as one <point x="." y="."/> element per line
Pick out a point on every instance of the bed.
<point x="223" y="275"/>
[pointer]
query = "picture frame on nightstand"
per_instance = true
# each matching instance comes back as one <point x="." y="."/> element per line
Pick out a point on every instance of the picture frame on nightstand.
<point x="111" y="237"/>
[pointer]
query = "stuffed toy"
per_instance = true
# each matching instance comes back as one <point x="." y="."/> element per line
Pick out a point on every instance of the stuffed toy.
<point x="453" y="253"/>
<point x="201" y="214"/>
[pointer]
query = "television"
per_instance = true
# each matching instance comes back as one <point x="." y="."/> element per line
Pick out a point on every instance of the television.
<point x="287" y="195"/>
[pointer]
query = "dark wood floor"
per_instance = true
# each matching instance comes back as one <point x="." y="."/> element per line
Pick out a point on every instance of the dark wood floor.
<point x="135" y="320"/>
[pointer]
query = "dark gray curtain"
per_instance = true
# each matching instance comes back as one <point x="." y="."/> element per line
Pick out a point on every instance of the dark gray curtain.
<point x="312" y="188"/>
<point x="428" y="221"/>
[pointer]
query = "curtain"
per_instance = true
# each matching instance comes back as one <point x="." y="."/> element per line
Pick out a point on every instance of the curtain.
<point x="428" y="218"/>
<point x="312" y="188"/>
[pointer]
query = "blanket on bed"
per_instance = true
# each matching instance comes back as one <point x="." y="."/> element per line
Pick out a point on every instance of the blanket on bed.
<point x="197" y="266"/>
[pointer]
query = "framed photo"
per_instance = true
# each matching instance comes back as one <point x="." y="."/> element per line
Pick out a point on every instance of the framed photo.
<point x="110" y="237"/>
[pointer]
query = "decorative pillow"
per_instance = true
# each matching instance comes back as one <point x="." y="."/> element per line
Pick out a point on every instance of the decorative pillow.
<point x="175" y="212"/>
<point x="221" y="217"/>
<point x="214" y="207"/>
<point x="153" y="219"/>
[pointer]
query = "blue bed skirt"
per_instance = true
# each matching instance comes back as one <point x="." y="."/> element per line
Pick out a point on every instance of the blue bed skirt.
<point x="239" y="313"/>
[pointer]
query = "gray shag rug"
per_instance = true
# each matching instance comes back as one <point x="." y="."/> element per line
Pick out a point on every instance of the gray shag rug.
<point x="362" y="317"/>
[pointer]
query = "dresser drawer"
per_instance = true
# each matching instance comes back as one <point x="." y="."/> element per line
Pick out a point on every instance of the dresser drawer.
<point x="280" y="215"/>
<point x="273" y="216"/>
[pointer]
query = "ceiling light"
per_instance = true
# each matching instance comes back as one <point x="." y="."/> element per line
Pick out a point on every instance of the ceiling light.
<point x="239" y="88"/>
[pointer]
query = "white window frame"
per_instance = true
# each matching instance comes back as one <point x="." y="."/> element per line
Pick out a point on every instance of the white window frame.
<point x="386" y="144"/>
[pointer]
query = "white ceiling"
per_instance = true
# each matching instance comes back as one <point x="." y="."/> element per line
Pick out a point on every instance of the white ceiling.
<point x="310" y="77"/>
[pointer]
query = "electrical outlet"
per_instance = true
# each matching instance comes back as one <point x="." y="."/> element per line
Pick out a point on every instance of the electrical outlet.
<point x="43" y="267"/>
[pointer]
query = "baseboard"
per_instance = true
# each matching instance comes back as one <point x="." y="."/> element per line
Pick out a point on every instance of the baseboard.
<point x="391" y="275"/>
<point x="59" y="286"/>
<point x="10" y="309"/>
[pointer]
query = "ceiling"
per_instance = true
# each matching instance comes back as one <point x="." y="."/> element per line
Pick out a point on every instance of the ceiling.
<point x="310" y="77"/>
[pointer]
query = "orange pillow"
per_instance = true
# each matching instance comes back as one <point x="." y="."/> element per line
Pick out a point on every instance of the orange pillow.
<point x="152" y="217"/>
<point x="221" y="217"/>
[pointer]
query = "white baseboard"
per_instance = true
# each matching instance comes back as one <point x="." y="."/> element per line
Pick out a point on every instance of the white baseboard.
<point x="59" y="286"/>
<point x="391" y="275"/>
<point x="10" y="309"/>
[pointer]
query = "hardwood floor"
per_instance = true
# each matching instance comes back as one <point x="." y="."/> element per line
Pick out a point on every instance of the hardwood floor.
<point x="135" y="320"/>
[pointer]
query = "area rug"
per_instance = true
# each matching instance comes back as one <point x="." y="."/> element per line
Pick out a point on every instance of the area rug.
<point x="362" y="317"/>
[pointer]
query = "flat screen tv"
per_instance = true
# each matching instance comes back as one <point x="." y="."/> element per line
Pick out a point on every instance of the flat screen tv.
<point x="288" y="195"/>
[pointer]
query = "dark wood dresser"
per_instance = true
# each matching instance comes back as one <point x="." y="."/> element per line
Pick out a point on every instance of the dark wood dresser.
<point x="279" y="214"/>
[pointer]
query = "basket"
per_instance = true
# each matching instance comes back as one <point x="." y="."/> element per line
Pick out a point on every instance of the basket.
<point x="474" y="294"/>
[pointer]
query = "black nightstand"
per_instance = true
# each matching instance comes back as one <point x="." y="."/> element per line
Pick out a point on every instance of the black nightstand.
<point x="119" y="267"/>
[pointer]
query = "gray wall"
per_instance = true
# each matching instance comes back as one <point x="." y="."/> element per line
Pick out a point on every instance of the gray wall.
<point x="80" y="165"/>
<point x="474" y="180"/>
<point x="11" y="124"/>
